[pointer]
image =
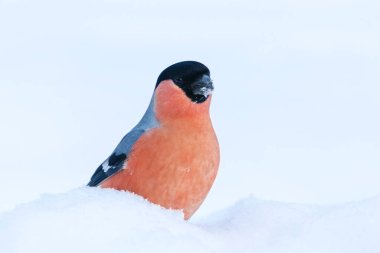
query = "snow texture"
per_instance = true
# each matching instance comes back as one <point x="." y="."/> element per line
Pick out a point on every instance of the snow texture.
<point x="98" y="220"/>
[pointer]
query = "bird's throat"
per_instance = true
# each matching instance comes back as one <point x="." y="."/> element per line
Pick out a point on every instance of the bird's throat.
<point x="172" y="104"/>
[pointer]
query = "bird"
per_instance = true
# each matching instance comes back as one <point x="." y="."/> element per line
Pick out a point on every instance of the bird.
<point x="171" y="157"/>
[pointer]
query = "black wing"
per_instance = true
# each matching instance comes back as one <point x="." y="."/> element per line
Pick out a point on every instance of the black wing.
<point x="109" y="167"/>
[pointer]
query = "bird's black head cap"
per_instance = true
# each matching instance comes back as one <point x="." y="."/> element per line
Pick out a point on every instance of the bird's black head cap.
<point x="192" y="77"/>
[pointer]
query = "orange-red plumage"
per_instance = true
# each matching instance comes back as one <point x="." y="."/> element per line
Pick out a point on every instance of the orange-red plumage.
<point x="175" y="164"/>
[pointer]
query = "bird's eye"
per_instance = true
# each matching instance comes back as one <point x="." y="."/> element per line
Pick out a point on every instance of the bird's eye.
<point x="178" y="80"/>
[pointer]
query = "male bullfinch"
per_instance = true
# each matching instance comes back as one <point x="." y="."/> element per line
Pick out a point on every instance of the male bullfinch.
<point x="171" y="156"/>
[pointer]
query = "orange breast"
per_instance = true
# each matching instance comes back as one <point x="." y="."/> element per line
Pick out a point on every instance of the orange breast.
<point x="175" y="164"/>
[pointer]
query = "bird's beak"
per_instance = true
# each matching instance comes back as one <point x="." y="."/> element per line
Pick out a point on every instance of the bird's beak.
<point x="203" y="86"/>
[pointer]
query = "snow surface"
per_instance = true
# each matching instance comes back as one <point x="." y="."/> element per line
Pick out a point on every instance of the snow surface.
<point x="99" y="220"/>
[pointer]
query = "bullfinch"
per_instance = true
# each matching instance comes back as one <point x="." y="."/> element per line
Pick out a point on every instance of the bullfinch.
<point x="171" y="157"/>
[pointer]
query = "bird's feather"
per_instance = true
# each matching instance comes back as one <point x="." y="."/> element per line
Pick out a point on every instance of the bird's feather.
<point x="119" y="157"/>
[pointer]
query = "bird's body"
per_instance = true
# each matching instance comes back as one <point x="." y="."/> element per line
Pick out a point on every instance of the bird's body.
<point x="172" y="156"/>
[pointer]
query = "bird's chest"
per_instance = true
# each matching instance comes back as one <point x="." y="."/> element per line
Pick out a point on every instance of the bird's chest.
<point x="175" y="152"/>
<point x="174" y="168"/>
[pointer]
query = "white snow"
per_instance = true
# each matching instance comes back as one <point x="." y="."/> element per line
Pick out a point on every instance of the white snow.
<point x="101" y="220"/>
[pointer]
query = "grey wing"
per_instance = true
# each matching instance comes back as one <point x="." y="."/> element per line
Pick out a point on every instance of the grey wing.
<point x="116" y="161"/>
<point x="119" y="157"/>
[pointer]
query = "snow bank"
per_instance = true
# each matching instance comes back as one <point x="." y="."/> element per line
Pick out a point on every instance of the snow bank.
<point x="254" y="225"/>
<point x="96" y="220"/>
